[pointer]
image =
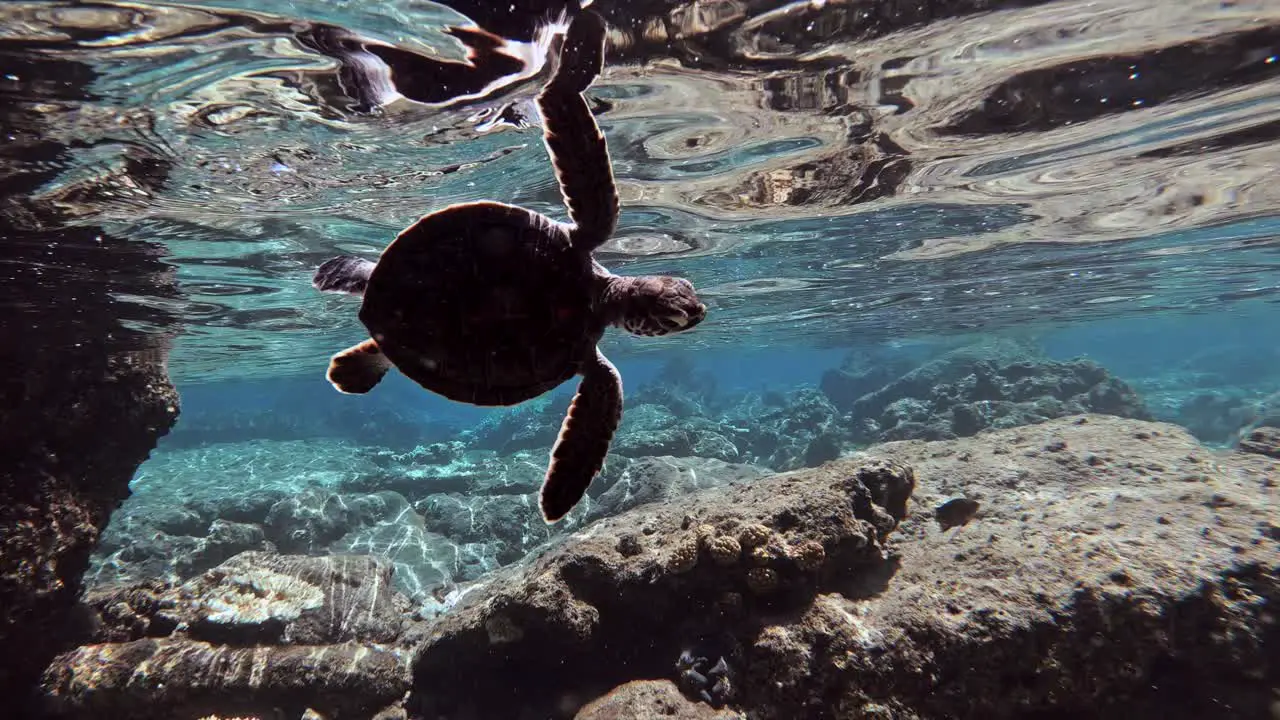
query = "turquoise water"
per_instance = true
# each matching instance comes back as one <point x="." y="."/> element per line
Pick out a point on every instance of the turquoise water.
<point x="1083" y="193"/>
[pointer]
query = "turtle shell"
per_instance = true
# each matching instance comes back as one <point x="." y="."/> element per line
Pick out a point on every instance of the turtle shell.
<point x="484" y="303"/>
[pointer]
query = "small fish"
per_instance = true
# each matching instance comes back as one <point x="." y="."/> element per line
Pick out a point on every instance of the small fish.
<point x="958" y="511"/>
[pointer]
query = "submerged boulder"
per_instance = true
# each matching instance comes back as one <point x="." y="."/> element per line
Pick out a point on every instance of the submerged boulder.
<point x="969" y="390"/>
<point x="626" y="597"/>
<point x="1114" y="567"/>
<point x="259" y="632"/>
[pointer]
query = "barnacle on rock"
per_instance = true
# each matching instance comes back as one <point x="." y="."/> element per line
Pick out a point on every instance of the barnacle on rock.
<point x="724" y="550"/>
<point x="683" y="556"/>
<point x="809" y="554"/>
<point x="755" y="535"/>
<point x="762" y="580"/>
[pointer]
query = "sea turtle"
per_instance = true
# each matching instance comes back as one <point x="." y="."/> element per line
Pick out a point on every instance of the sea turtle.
<point x="491" y="304"/>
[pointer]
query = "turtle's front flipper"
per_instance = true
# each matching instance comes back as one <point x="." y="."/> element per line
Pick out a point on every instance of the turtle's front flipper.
<point x="584" y="438"/>
<point x="358" y="368"/>
<point x="577" y="148"/>
<point x="345" y="274"/>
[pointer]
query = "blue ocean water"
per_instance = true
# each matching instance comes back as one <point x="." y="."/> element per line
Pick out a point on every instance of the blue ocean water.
<point x="888" y="214"/>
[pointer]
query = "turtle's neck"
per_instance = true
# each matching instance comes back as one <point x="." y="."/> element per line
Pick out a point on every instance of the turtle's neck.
<point x="614" y="296"/>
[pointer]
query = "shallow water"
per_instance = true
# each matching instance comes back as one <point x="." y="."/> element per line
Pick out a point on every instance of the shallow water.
<point x="866" y="186"/>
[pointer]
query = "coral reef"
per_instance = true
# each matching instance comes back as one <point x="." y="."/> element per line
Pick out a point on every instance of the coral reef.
<point x="1116" y="567"/>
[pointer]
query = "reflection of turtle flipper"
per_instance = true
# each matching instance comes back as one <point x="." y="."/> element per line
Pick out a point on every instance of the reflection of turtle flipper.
<point x="577" y="147"/>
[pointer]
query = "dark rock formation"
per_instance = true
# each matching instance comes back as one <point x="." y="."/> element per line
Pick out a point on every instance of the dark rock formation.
<point x="258" y="633"/>
<point x="85" y="395"/>
<point x="626" y="598"/>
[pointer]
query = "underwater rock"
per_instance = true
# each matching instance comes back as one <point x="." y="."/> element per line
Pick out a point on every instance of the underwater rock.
<point x="426" y="471"/>
<point x="312" y="520"/>
<point x="77" y="424"/>
<point x="1213" y="415"/>
<point x="650" y="700"/>
<point x="649" y="573"/>
<point x="1117" y="568"/>
<point x="308" y="522"/>
<point x="224" y="540"/>
<point x="190" y="678"/>
<point x="804" y="431"/>
<point x="261" y="598"/>
<point x="971" y="389"/>
<point x="423" y="560"/>
<point x="511" y="524"/>
<point x="860" y="372"/>
<point x="259" y="632"/>
<point x="1262" y="441"/>
<point x="659" y="479"/>
<point x="528" y="426"/>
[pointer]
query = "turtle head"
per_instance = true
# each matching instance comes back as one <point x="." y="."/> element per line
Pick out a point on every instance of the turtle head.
<point x="653" y="304"/>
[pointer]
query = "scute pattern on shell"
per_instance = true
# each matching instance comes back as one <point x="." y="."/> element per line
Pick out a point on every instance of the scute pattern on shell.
<point x="484" y="303"/>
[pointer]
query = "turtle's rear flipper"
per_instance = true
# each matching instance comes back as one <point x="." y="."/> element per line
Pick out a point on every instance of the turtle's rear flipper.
<point x="584" y="439"/>
<point x="358" y="368"/>
<point x="345" y="274"/>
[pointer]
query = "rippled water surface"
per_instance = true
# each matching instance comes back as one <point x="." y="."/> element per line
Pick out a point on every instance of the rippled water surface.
<point x="827" y="174"/>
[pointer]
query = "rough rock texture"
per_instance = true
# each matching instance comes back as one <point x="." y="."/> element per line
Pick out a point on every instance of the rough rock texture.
<point x="1116" y="568"/>
<point x="650" y="700"/>
<point x="260" y="631"/>
<point x="623" y="598"/>
<point x="188" y="678"/>
<point x="75" y="428"/>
